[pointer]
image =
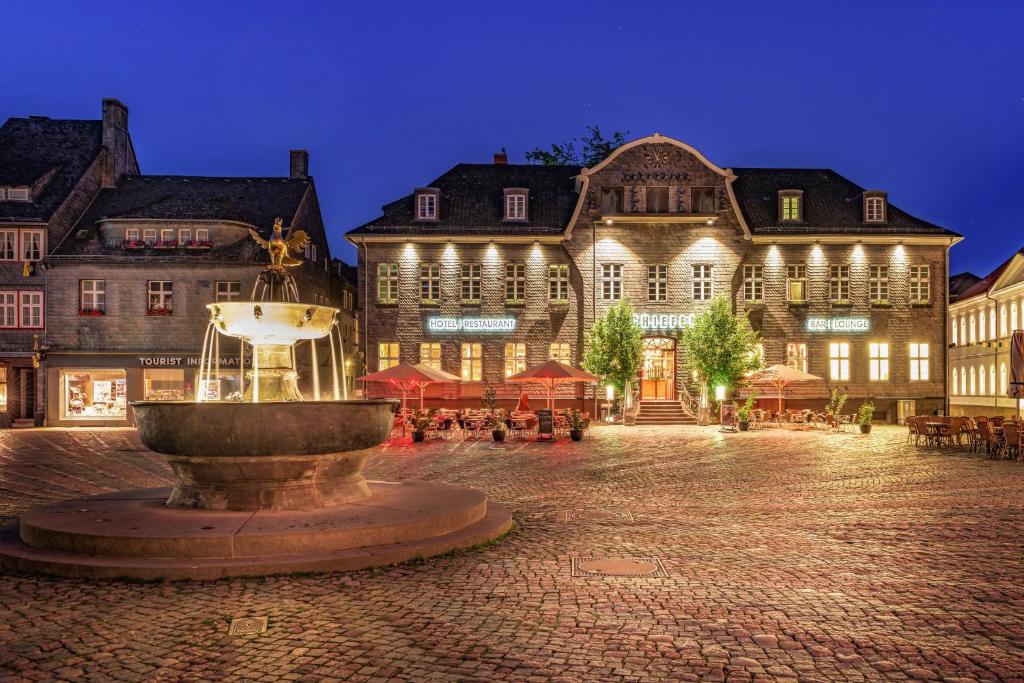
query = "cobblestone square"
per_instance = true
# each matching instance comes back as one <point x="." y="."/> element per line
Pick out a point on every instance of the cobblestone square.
<point x="787" y="556"/>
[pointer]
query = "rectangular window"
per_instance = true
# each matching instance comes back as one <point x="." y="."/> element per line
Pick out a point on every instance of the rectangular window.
<point x="387" y="282"/>
<point x="839" y="284"/>
<point x="430" y="282"/>
<point x="796" y="355"/>
<point x="753" y="283"/>
<point x="472" y="362"/>
<point x="515" y="282"/>
<point x="31" y="305"/>
<point x="796" y="283"/>
<point x="160" y="296"/>
<point x="93" y="394"/>
<point x="558" y="282"/>
<point x="839" y="361"/>
<point x="657" y="200"/>
<point x="874" y="210"/>
<point x="202" y="234"/>
<point x="879" y="284"/>
<point x="611" y="281"/>
<point x="17" y="194"/>
<point x="657" y="282"/>
<point x="430" y="354"/>
<point x="878" y="362"/>
<point x="8" y="245"/>
<point x="93" y="296"/>
<point x="184" y="235"/>
<point x="8" y="309"/>
<point x="167" y="235"/>
<point x="515" y="206"/>
<point x="163" y="384"/>
<point x="702" y="283"/>
<point x="228" y="291"/>
<point x="919" y="370"/>
<point x="560" y="351"/>
<point x="790" y="208"/>
<point x="703" y="200"/>
<point x="32" y="245"/>
<point x="131" y="234"/>
<point x="611" y="200"/>
<point x="426" y="206"/>
<point x="387" y="355"/>
<point x="471" y="283"/>
<point x="149" y="235"/>
<point x="920" y="284"/>
<point x="515" y="358"/>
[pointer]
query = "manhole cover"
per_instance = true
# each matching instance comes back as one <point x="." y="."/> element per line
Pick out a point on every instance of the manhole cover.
<point x="618" y="566"/>
<point x="612" y="514"/>
<point x="244" y="626"/>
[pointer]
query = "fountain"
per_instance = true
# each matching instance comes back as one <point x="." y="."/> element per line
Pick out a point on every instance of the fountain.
<point x="267" y="484"/>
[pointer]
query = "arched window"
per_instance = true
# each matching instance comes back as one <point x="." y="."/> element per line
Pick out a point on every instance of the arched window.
<point x="956" y="337"/>
<point x="974" y="385"/>
<point x="981" y="325"/>
<point x="954" y="386"/>
<point x="963" y="382"/>
<point x="963" y="329"/>
<point x="1002" y="321"/>
<point x="1013" y="316"/>
<point x="981" y="380"/>
<point x="992" y="379"/>
<point x="1003" y="385"/>
<point x="992" y="322"/>
<point x="974" y="330"/>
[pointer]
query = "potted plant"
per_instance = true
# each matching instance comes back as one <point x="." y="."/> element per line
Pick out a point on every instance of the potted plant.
<point x="576" y="424"/>
<point x="864" y="415"/>
<point x="420" y="424"/>
<point x="834" y="406"/>
<point x="497" y="424"/>
<point x="743" y="414"/>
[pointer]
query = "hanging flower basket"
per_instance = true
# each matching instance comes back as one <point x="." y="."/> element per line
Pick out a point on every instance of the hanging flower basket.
<point x="133" y="244"/>
<point x="92" y="312"/>
<point x="159" y="312"/>
<point x="169" y="244"/>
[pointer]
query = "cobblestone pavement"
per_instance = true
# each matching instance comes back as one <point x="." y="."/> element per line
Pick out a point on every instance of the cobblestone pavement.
<point x="789" y="556"/>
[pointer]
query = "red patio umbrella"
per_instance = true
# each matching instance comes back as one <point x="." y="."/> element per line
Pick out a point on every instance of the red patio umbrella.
<point x="551" y="374"/>
<point x="407" y="377"/>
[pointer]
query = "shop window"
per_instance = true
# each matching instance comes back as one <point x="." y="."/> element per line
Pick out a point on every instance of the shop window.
<point x="878" y="362"/>
<point x="611" y="281"/>
<point x="220" y="386"/>
<point x="753" y="283"/>
<point x="796" y="283"/>
<point x="8" y="245"/>
<point x="472" y="362"/>
<point x="611" y="200"/>
<point x="8" y="309"/>
<point x="430" y="283"/>
<point x="93" y="394"/>
<point x="657" y="282"/>
<point x="657" y="200"/>
<point x="387" y="355"/>
<point x="920" y="284"/>
<point x="703" y="288"/>
<point x="796" y="355"/>
<point x="703" y="199"/>
<point x="919" y="365"/>
<point x="93" y="296"/>
<point x="839" y="361"/>
<point x="31" y="305"/>
<point x="515" y="205"/>
<point x="558" y="282"/>
<point x="560" y="351"/>
<point x="387" y="283"/>
<point x="227" y="290"/>
<point x="430" y="354"/>
<point x="163" y="384"/>
<point x="515" y="358"/>
<point x="160" y="297"/>
<point x="470" y="283"/>
<point x="32" y="245"/>
<point x="839" y="284"/>
<point x="515" y="282"/>
<point x="879" y="284"/>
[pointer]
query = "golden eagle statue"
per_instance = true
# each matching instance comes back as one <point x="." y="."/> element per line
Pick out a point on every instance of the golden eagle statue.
<point x="280" y="248"/>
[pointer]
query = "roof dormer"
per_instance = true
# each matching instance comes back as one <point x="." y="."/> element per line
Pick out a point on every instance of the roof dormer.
<point x="426" y="204"/>
<point x="15" y="194"/>
<point x="517" y="202"/>
<point x="791" y="206"/>
<point x="876" y="206"/>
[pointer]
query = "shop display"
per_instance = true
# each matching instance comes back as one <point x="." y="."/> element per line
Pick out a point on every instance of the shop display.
<point x="94" y="394"/>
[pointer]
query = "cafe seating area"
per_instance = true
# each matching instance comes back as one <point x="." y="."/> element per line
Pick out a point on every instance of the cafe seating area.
<point x="800" y="419"/>
<point x="469" y="424"/>
<point x="998" y="437"/>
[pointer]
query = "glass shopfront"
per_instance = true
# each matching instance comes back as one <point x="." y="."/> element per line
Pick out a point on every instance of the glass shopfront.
<point x="163" y="385"/>
<point x="221" y="386"/>
<point x="93" y="394"/>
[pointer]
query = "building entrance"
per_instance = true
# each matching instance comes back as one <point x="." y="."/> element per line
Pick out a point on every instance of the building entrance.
<point x="657" y="378"/>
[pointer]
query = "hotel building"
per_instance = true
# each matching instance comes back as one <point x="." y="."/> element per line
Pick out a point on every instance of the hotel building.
<point x="491" y="268"/>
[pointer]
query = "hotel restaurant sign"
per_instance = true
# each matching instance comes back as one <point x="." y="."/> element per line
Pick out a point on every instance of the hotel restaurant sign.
<point x="470" y="325"/>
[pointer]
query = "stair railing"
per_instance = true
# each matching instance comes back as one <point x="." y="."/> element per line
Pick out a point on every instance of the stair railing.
<point x="691" y="406"/>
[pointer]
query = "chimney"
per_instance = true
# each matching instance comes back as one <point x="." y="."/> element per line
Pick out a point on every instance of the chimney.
<point x="299" y="167"/>
<point x="501" y="158"/>
<point x="115" y="141"/>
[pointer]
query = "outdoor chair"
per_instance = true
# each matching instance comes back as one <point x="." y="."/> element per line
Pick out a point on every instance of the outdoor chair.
<point x="993" y="445"/>
<point x="996" y="421"/>
<point x="973" y="435"/>
<point x="1011" y="439"/>
<point x="950" y="432"/>
<point x="912" y="433"/>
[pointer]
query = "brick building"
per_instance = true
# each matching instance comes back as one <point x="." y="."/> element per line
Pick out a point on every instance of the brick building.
<point x="492" y="268"/>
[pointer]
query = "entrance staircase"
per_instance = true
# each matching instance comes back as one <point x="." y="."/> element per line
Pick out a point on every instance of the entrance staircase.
<point x="663" y="412"/>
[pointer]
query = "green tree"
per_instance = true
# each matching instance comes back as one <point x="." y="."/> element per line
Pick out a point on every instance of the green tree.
<point x="616" y="347"/>
<point x="721" y="346"/>
<point x="595" y="149"/>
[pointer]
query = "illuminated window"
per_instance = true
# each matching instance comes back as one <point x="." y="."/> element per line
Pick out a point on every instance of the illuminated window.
<point x="874" y="209"/>
<point x="93" y="394"/>
<point x="430" y="354"/>
<point x="515" y="205"/>
<point x="954" y="327"/>
<point x="611" y="281"/>
<point x="878" y="362"/>
<point x="3" y="388"/>
<point x="560" y="351"/>
<point x="470" y="282"/>
<point x="920" y="284"/>
<point x="558" y="282"/>
<point x="472" y="362"/>
<point x="92" y="295"/>
<point x="426" y="206"/>
<point x="32" y="245"/>
<point x="657" y="283"/>
<point x="160" y="296"/>
<point x="839" y="284"/>
<point x="796" y="283"/>
<point x="387" y="355"/>
<point x="430" y="282"/>
<point x="963" y="330"/>
<point x="796" y="355"/>
<point x="202" y="234"/>
<point x="1013" y="316"/>
<point x="879" y="284"/>
<point x="963" y="382"/>
<point x="657" y="200"/>
<point x="8" y="245"/>
<point x="149" y="235"/>
<point x="1003" y="380"/>
<point x="515" y="282"/>
<point x="753" y="283"/>
<point x="992" y="378"/>
<point x="992" y="322"/>
<point x="702" y="283"/>
<point x="31" y="305"/>
<point x="790" y="206"/>
<point x="387" y="282"/>
<point x="1002" y="321"/>
<point x="8" y="309"/>
<point x="17" y="194"/>
<point x="163" y="384"/>
<point x="974" y="337"/>
<point x="981" y="325"/>
<point x="981" y="380"/>
<point x="184" y="235"/>
<point x="131" y="234"/>
<point x="839" y="361"/>
<point x="515" y="358"/>
<point x="227" y="291"/>
<point x="954" y="387"/>
<point x="167" y="235"/>
<point x="919" y="363"/>
<point x="974" y="383"/>
<point x="703" y="200"/>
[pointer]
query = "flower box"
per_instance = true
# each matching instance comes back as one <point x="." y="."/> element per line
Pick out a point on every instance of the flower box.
<point x="92" y="312"/>
<point x="198" y="244"/>
<point x="169" y="244"/>
<point x="133" y="244"/>
<point x="159" y="312"/>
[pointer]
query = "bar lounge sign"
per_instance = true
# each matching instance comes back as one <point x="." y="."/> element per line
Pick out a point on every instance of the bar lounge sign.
<point x="838" y="324"/>
<point x="446" y="324"/>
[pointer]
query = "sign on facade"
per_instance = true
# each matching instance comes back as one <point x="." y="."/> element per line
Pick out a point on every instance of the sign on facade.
<point x="838" y="324"/>
<point x="663" y="321"/>
<point x="443" y="324"/>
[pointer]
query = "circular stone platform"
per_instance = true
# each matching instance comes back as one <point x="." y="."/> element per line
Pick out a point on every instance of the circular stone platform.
<point x="132" y="534"/>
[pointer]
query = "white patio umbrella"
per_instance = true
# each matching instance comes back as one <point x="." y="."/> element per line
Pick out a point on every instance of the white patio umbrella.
<point x="407" y="377"/>
<point x="781" y="376"/>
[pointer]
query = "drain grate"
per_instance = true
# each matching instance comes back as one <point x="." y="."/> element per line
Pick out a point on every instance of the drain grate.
<point x="609" y="514"/>
<point x="246" y="626"/>
<point x="628" y="567"/>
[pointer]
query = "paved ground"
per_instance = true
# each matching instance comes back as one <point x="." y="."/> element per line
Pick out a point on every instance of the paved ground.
<point x="788" y="556"/>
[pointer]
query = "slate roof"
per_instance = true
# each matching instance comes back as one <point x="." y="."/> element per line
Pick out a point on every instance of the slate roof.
<point x="254" y="201"/>
<point x="472" y="203"/>
<point x="960" y="283"/>
<point x="985" y="283"/>
<point x="832" y="205"/>
<point x="34" y="146"/>
<point x="347" y="272"/>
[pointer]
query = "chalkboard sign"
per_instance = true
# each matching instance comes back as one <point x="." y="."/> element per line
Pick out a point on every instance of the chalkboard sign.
<point x="545" y="422"/>
<point x="728" y="416"/>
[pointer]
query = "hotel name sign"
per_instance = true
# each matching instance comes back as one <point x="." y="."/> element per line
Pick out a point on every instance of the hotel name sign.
<point x="663" y="321"/>
<point x="838" y="324"/>
<point x="470" y="325"/>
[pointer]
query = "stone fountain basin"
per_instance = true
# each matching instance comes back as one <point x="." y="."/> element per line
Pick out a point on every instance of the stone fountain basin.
<point x="293" y="455"/>
<point x="272" y="322"/>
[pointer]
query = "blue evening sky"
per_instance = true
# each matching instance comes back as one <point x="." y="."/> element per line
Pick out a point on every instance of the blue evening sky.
<point x="922" y="99"/>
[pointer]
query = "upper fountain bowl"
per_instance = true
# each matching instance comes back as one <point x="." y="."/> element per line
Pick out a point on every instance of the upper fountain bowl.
<point x="272" y="322"/>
